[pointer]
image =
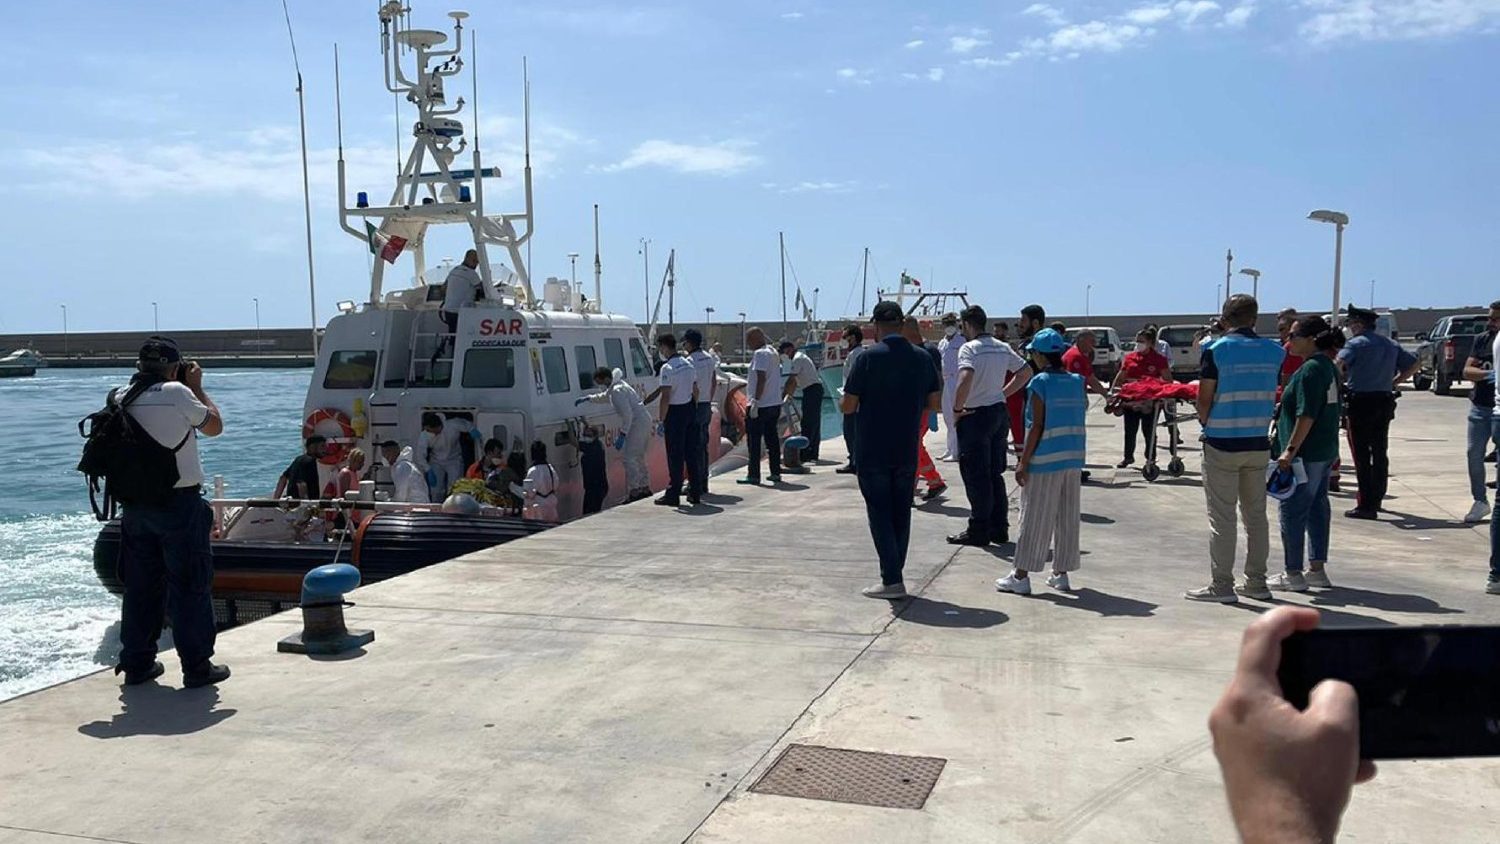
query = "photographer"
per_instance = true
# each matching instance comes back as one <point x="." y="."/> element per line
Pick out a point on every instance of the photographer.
<point x="166" y="561"/>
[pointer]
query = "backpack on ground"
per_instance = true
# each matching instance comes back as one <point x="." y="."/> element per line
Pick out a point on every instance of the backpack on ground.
<point x="122" y="463"/>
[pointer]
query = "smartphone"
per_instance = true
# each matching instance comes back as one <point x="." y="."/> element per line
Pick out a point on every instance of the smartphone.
<point x="1424" y="692"/>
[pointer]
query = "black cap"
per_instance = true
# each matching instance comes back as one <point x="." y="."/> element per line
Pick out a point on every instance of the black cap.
<point x="694" y="336"/>
<point x="1357" y="313"/>
<point x="160" y="350"/>
<point x="786" y="344"/>
<point x="887" y="312"/>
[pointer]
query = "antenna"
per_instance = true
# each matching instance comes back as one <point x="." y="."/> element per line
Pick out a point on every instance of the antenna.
<point x="338" y="101"/>
<point x="474" y="79"/>
<point x="526" y="113"/>
<point x="312" y="290"/>
<point x="598" y="292"/>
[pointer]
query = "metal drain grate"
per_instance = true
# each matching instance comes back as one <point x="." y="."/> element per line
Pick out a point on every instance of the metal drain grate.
<point x="852" y="776"/>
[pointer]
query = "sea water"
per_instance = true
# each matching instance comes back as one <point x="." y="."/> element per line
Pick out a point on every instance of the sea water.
<point x="56" y="621"/>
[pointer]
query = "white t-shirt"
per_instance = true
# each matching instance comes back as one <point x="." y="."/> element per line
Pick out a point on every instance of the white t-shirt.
<point x="766" y="360"/>
<point x="1164" y="349"/>
<point x="804" y="370"/>
<point x="442" y="448"/>
<point x="678" y="373"/>
<point x="461" y="284"/>
<point x="1494" y="348"/>
<point x="706" y="369"/>
<point x="169" y="412"/>
<point x="849" y="356"/>
<point x="948" y="347"/>
<point x="992" y="362"/>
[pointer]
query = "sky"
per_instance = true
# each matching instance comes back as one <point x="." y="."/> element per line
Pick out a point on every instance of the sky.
<point x="1109" y="151"/>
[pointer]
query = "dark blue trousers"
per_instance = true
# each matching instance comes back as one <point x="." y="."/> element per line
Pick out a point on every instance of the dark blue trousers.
<point x="812" y="420"/>
<point x="851" y="438"/>
<point x="682" y="452"/>
<point x="703" y="417"/>
<point x="981" y="462"/>
<point x="887" y="494"/>
<point x="763" y="434"/>
<point x="167" y="566"/>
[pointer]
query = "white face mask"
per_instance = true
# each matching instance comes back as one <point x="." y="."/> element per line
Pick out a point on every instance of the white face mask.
<point x="949" y="331"/>
<point x="1142" y="346"/>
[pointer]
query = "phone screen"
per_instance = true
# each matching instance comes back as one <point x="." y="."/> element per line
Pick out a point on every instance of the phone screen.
<point x="1423" y="691"/>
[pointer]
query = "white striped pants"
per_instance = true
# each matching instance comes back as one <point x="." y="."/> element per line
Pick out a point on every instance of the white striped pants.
<point x="1049" y="519"/>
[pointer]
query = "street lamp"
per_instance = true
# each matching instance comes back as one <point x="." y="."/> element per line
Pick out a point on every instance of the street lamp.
<point x="1255" y="283"/>
<point x="1088" y="290"/>
<point x="815" y="306"/>
<point x="256" y="300"/>
<point x="1372" y="294"/>
<point x="708" y="318"/>
<point x="1228" y="272"/>
<point x="743" y="342"/>
<point x="65" y="328"/>
<point x="1339" y="219"/>
<point x="155" y="319"/>
<point x="1219" y="297"/>
<point x="646" y="272"/>
<point x="573" y="267"/>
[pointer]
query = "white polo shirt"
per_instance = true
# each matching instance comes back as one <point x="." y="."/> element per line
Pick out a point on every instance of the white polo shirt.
<point x="992" y="363"/>
<point x="706" y="370"/>
<point x="169" y="412"/>
<point x="766" y="360"/>
<point x="678" y="373"/>
<point x="804" y="370"/>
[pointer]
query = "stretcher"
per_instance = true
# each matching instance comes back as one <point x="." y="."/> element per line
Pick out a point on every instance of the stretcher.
<point x="1160" y="401"/>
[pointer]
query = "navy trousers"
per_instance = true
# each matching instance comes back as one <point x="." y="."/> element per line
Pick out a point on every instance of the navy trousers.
<point x="812" y="420"/>
<point x="763" y="434"/>
<point x="167" y="566"/>
<point x="682" y="452"/>
<point x="981" y="462"/>
<point x="704" y="415"/>
<point x="887" y="494"/>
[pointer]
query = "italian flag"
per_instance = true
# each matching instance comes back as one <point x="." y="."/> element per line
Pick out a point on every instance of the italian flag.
<point x="386" y="247"/>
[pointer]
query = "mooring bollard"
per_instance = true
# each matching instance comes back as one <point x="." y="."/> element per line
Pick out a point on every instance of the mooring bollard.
<point x="323" y="630"/>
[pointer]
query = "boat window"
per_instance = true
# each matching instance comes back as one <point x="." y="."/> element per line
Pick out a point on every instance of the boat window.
<point x="555" y="365"/>
<point x="638" y="360"/>
<point x="614" y="353"/>
<point x="490" y="368"/>
<point x="350" y="370"/>
<point x="588" y="361"/>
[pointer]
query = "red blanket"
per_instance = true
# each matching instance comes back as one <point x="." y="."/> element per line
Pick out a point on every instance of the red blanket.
<point x="1151" y="389"/>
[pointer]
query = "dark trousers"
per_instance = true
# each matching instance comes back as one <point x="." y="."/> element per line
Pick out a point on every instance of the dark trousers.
<point x="703" y="416"/>
<point x="167" y="566"/>
<point x="1143" y="422"/>
<point x="851" y="437"/>
<point x="981" y="462"/>
<point x="763" y="434"/>
<point x="812" y="420"/>
<point x="682" y="453"/>
<point x="1369" y="434"/>
<point x="443" y="344"/>
<point x="887" y="494"/>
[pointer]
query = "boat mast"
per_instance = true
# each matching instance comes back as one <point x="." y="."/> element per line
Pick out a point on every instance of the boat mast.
<point x="598" y="267"/>
<point x="781" y="238"/>
<point x="864" y="284"/>
<point x="312" y="290"/>
<point x="671" y="293"/>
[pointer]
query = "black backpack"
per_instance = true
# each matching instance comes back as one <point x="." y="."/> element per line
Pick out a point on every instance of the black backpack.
<point x="121" y="461"/>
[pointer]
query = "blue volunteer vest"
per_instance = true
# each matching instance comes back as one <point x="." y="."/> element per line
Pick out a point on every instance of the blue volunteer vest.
<point x="1063" y="441"/>
<point x="1245" y="396"/>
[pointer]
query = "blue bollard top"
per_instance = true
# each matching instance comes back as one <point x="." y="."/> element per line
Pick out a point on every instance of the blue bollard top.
<point x="329" y="583"/>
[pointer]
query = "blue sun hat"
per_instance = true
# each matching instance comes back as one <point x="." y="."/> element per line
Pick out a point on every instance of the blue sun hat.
<point x="1282" y="484"/>
<point x="1047" y="341"/>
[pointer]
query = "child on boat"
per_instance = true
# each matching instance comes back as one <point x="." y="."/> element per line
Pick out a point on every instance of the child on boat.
<point x="538" y="492"/>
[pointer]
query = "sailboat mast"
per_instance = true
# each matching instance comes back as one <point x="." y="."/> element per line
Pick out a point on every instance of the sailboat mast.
<point x="672" y="292"/>
<point x="781" y="238"/>
<point x="864" y="284"/>
<point x="598" y="267"/>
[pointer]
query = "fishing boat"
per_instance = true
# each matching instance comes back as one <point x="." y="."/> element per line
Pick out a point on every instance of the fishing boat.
<point x="514" y="368"/>
<point x="21" y="363"/>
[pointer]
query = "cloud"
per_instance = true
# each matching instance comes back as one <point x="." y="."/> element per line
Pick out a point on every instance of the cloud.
<point x="1094" y="36"/>
<point x="723" y="158"/>
<point x="1238" y="16"/>
<point x="1189" y="11"/>
<point x="1052" y="15"/>
<point x="1397" y="20"/>
<point x="966" y="43"/>
<point x="985" y="62"/>
<point x="792" y="16"/>
<point x="825" y="186"/>
<point x="1139" y="24"/>
<point x="1148" y="15"/>
<point x="914" y="44"/>
<point x="853" y="76"/>
<point x="935" y="74"/>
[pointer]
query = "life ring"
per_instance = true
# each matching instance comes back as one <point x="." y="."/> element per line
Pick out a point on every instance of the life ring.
<point x="337" y="449"/>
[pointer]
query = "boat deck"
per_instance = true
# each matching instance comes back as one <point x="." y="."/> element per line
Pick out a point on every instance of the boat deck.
<point x="630" y="676"/>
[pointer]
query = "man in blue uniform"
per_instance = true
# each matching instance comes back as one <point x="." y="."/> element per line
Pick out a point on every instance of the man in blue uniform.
<point x="1372" y="365"/>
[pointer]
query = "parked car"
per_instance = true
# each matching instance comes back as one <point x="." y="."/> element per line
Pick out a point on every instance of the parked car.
<point x="1186" y="355"/>
<point x="1444" y="350"/>
<point x="1108" y="350"/>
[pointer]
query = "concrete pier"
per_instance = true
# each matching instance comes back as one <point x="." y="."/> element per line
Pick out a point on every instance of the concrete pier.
<point x="629" y="677"/>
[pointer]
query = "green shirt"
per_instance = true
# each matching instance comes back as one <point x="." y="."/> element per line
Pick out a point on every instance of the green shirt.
<point x="1311" y="391"/>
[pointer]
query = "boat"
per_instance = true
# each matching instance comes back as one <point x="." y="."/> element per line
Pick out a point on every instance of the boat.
<point x="21" y="363"/>
<point x="515" y="367"/>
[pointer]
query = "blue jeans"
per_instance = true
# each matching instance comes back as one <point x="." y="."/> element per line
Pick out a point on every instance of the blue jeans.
<point x="167" y="566"/>
<point x="887" y="494"/>
<point x="1305" y="517"/>
<point x="1481" y="421"/>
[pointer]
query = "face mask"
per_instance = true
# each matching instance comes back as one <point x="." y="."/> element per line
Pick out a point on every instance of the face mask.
<point x="950" y="331"/>
<point x="1142" y="345"/>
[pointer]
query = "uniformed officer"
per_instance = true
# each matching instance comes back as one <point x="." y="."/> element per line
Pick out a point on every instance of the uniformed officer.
<point x="985" y="366"/>
<point x="706" y="380"/>
<point x="1372" y="365"/>
<point x="677" y="414"/>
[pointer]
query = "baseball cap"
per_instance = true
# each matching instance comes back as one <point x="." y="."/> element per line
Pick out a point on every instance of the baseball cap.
<point x="1047" y="341"/>
<point x="1281" y="484"/>
<point x="887" y="312"/>
<point x="160" y="350"/>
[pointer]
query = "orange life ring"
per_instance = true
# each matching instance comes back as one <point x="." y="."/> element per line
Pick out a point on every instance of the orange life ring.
<point x="336" y="450"/>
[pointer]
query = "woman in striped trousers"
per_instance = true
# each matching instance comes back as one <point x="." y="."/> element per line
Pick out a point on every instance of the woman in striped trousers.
<point x="1049" y="469"/>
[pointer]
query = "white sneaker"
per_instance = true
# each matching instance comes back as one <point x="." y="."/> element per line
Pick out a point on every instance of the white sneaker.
<point x="947" y="455"/>
<point x="1287" y="581"/>
<point x="1477" y="513"/>
<point x="1059" y="580"/>
<point x="1015" y="585"/>
<point x="1318" y="579"/>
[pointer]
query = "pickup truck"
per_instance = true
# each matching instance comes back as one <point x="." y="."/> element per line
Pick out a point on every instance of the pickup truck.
<point x="1443" y="352"/>
<point x="1186" y="353"/>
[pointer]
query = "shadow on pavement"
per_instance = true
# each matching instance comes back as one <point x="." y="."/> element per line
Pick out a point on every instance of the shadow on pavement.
<point x="937" y="506"/>
<point x="720" y="498"/>
<point x="155" y="710"/>
<point x="1330" y="618"/>
<point x="1102" y="603"/>
<point x="784" y="486"/>
<point x="699" y="509"/>
<point x="1091" y="519"/>
<point x="919" y="610"/>
<point x="1340" y="596"/>
<point x="1407" y="521"/>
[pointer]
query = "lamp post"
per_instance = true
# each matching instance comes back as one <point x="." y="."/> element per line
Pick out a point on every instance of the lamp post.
<point x="815" y="305"/>
<point x="1339" y="219"/>
<point x="256" y="300"/>
<point x="1255" y="281"/>
<point x="65" y="328"/>
<point x="1228" y="272"/>
<point x="1219" y="298"/>
<point x="646" y="273"/>
<point x="573" y="268"/>
<point x="1088" y="290"/>
<point x="1372" y="294"/>
<point x="708" y="319"/>
<point x="155" y="319"/>
<point x="743" y="343"/>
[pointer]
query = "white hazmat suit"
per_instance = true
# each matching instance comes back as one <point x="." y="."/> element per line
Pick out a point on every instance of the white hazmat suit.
<point x="442" y="454"/>
<point x="410" y="485"/>
<point x="635" y="431"/>
<point x="538" y="493"/>
<point x="949" y="347"/>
